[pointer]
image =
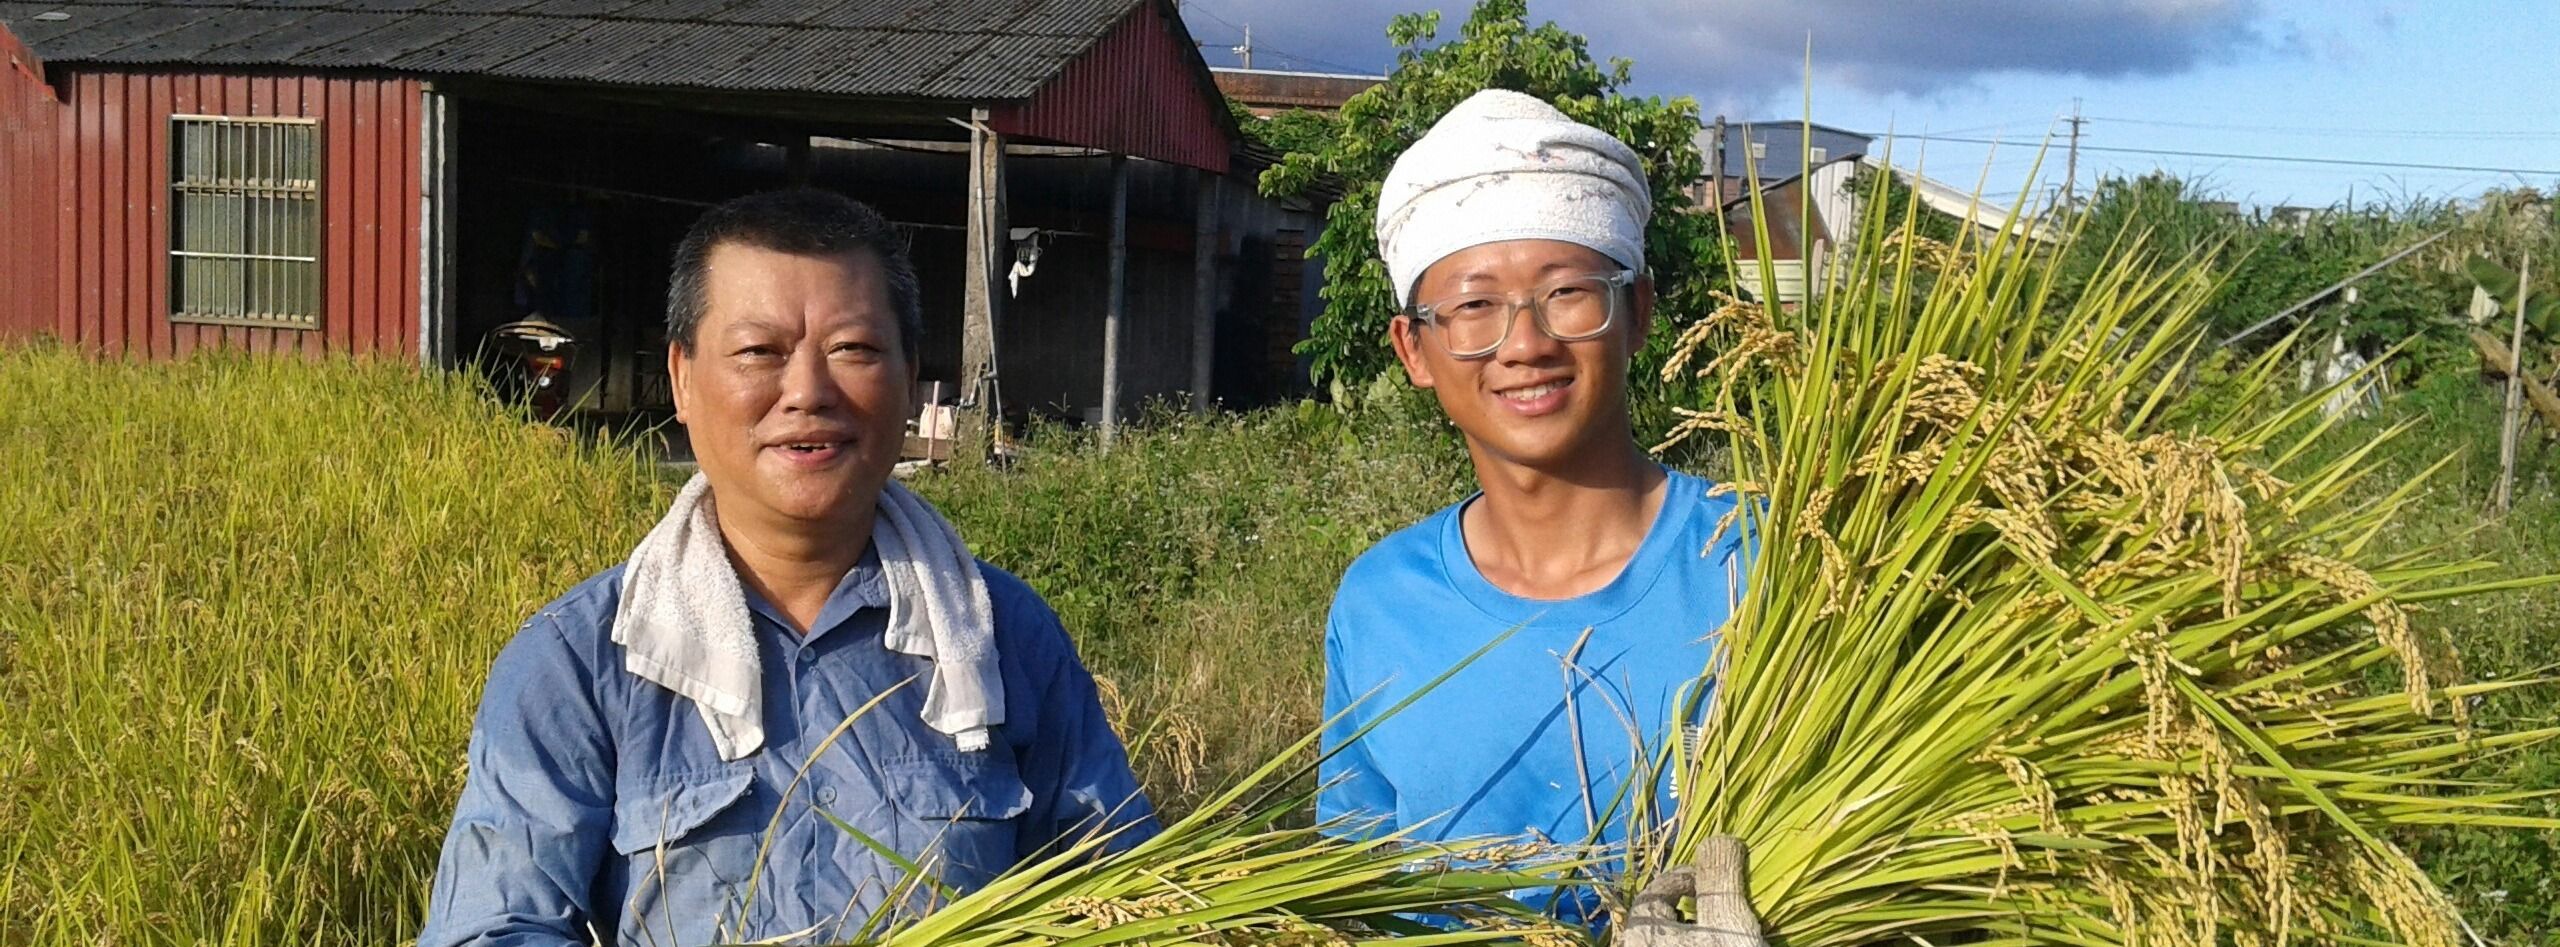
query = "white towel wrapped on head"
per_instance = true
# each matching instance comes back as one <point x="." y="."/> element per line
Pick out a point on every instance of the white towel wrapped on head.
<point x="683" y="622"/>
<point x="1507" y="166"/>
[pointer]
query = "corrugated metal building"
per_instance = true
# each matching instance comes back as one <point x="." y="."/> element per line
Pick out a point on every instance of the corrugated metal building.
<point x="1266" y="92"/>
<point x="403" y="176"/>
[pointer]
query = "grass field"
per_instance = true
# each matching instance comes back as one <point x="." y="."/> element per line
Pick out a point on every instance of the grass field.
<point x="245" y="607"/>
<point x="2509" y="882"/>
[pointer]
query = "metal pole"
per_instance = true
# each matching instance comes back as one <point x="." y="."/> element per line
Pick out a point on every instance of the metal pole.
<point x="1118" y="296"/>
<point x="1204" y="291"/>
<point x="435" y="263"/>
<point x="2334" y="287"/>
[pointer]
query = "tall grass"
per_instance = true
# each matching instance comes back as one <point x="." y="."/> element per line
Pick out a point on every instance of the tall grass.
<point x="245" y="608"/>
<point x="2508" y="882"/>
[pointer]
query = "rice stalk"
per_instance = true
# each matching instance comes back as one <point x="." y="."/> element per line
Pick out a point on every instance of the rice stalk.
<point x="1233" y="873"/>
<point x="2021" y="658"/>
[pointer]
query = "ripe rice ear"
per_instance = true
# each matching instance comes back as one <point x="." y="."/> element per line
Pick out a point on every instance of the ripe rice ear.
<point x="2021" y="657"/>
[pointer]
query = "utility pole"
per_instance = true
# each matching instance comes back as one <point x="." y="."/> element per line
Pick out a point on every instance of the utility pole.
<point x="1716" y="171"/>
<point x="2071" y="166"/>
<point x="1245" y="50"/>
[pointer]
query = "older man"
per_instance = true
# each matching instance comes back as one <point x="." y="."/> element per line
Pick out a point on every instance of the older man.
<point x="663" y="754"/>
<point x="1515" y="239"/>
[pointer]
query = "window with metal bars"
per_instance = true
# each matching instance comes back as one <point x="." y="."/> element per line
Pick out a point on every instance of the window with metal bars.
<point x="244" y="232"/>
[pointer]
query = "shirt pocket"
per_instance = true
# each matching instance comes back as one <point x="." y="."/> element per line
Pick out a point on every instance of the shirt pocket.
<point x="664" y="812"/>
<point x="684" y="865"/>
<point x="964" y="811"/>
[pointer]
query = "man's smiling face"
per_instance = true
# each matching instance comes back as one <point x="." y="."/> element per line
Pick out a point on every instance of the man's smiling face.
<point x="1533" y="401"/>
<point x="796" y="388"/>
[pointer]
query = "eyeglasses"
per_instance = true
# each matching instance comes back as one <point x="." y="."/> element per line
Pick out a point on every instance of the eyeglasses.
<point x="1570" y="309"/>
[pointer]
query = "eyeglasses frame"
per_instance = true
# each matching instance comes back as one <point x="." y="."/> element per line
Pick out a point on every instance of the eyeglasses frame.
<point x="1618" y="283"/>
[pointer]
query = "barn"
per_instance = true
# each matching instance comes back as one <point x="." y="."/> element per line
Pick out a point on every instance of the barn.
<point x="401" y="178"/>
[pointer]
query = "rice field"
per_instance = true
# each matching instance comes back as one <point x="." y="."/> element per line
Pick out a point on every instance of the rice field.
<point x="245" y="605"/>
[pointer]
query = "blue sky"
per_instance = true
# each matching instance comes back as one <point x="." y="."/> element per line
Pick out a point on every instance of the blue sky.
<point x="2453" y="82"/>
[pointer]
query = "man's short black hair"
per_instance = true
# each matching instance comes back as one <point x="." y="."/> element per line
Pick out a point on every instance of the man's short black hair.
<point x="802" y="221"/>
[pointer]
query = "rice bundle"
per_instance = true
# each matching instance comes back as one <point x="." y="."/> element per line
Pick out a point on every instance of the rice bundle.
<point x="2024" y="658"/>
<point x="1236" y="873"/>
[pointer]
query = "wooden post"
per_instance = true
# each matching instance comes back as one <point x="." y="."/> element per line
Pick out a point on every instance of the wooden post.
<point x="2513" y="418"/>
<point x="981" y="299"/>
<point x="1118" y="298"/>
<point x="1717" y="202"/>
<point x="1204" y="291"/>
<point x="797" y="159"/>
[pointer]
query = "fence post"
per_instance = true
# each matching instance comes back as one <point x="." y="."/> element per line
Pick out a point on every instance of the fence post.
<point x="2511" y="423"/>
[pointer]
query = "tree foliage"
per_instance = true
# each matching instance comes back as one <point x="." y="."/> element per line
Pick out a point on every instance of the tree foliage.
<point x="1287" y="130"/>
<point x="1495" y="49"/>
<point x="2269" y="263"/>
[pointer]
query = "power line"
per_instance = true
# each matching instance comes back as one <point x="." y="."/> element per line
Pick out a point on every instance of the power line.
<point x="1993" y="126"/>
<point x="1195" y="5"/>
<point x="2362" y="132"/>
<point x="2293" y="159"/>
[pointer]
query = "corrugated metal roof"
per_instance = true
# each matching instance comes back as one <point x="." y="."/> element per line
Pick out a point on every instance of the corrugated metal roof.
<point x="972" y="50"/>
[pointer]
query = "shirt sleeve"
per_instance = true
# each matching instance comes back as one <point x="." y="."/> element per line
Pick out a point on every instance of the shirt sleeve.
<point x="1073" y="763"/>
<point x="536" y="812"/>
<point x="1354" y="799"/>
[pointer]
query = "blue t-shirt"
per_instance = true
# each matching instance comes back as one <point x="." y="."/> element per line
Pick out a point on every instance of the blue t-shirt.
<point x="1489" y="752"/>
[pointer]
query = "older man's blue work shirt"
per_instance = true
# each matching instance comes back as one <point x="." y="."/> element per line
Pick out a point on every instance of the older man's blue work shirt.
<point x="597" y="810"/>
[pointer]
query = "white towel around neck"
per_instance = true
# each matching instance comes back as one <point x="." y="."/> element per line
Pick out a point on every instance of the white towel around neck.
<point x="683" y="622"/>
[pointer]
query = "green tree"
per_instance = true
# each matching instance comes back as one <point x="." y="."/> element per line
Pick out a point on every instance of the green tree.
<point x="1495" y="49"/>
<point x="1287" y="130"/>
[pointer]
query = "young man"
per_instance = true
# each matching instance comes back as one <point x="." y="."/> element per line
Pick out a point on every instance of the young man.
<point x="1515" y="238"/>
<point x="657" y="752"/>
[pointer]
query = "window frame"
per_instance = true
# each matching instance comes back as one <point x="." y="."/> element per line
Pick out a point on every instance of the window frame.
<point x="312" y="191"/>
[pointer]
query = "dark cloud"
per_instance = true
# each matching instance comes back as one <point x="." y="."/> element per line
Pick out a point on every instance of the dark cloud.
<point x="1748" y="54"/>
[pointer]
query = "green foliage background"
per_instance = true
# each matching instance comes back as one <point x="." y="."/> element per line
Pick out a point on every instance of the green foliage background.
<point x="1496" y="48"/>
<point x="2270" y="264"/>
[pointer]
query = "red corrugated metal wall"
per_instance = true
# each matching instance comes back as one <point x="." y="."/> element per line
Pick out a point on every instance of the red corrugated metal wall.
<point x="108" y="236"/>
<point x="28" y="115"/>
<point x="1136" y="92"/>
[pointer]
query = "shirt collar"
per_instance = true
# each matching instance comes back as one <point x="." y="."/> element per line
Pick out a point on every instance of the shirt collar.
<point x="864" y="586"/>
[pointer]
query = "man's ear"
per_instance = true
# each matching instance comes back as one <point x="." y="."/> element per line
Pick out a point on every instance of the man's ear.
<point x="1406" y="334"/>
<point x="679" y="376"/>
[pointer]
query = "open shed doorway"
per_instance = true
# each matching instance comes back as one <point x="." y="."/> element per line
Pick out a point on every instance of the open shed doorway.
<point x="570" y="226"/>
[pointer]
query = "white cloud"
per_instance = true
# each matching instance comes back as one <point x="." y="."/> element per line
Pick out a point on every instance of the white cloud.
<point x="1748" y="54"/>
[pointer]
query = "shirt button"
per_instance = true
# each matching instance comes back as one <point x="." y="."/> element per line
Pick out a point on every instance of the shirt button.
<point x="808" y="657"/>
<point x="827" y="795"/>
